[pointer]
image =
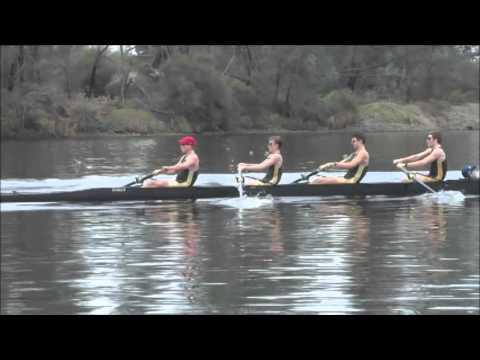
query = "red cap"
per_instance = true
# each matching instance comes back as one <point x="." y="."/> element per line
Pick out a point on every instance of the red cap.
<point x="187" y="140"/>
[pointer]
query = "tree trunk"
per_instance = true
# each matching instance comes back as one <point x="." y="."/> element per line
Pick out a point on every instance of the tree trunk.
<point x="230" y="62"/>
<point x="353" y="77"/>
<point x="66" y="69"/>
<point x="278" y="80"/>
<point x="407" y="74"/>
<point x="161" y="55"/>
<point x="287" y="101"/>
<point x="249" y="65"/>
<point x="21" y="62"/>
<point x="16" y="69"/>
<point x="429" y="81"/>
<point x="122" y="79"/>
<point x="11" y="76"/>
<point x="287" y="104"/>
<point x="35" y="56"/>
<point x="124" y="73"/>
<point x="93" y="73"/>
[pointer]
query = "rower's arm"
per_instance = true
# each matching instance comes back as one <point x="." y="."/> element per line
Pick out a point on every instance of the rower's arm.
<point x="413" y="158"/>
<point x="434" y="155"/>
<point x="359" y="158"/>
<point x="265" y="164"/>
<point x="188" y="163"/>
<point x="348" y="158"/>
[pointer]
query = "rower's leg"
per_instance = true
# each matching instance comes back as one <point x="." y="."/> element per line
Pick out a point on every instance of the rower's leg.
<point x="426" y="179"/>
<point x="155" y="183"/>
<point x="252" y="182"/>
<point x="420" y="177"/>
<point x="329" y="180"/>
<point x="174" y="183"/>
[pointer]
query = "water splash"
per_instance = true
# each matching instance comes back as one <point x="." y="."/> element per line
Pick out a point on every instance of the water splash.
<point x="246" y="202"/>
<point x="444" y="197"/>
<point x="240" y="184"/>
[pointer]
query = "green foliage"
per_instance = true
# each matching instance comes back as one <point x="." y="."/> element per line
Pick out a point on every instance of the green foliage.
<point x="458" y="97"/>
<point x="198" y="93"/>
<point x="394" y="116"/>
<point x="124" y="121"/>
<point x="88" y="113"/>
<point x="218" y="88"/>
<point x="339" y="101"/>
<point x="180" y="124"/>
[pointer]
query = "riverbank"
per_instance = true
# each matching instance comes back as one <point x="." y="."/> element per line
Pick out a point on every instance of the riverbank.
<point x="380" y="116"/>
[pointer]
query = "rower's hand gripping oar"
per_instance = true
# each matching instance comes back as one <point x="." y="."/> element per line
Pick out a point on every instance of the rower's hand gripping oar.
<point x="139" y="180"/>
<point x="412" y="176"/>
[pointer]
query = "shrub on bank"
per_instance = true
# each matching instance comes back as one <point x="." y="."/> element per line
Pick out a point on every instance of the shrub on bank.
<point x="389" y="115"/>
<point x="124" y="121"/>
<point x="35" y="110"/>
<point x="458" y="97"/>
<point x="198" y="93"/>
<point x="339" y="101"/>
<point x="87" y="113"/>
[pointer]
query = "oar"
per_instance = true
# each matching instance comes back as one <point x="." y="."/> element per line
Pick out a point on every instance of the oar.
<point x="306" y="177"/>
<point x="141" y="180"/>
<point x="251" y="177"/>
<point x="410" y="175"/>
<point x="345" y="157"/>
<point x="241" y="177"/>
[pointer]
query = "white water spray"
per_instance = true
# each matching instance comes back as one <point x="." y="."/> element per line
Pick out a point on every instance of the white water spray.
<point x="240" y="183"/>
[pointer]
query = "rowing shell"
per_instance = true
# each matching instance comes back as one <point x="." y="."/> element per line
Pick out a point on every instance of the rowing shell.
<point x="466" y="186"/>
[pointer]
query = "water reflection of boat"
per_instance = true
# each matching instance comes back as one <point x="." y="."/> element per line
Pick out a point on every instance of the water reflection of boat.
<point x="467" y="186"/>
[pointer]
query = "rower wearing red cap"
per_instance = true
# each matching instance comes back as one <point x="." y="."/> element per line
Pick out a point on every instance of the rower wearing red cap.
<point x="186" y="168"/>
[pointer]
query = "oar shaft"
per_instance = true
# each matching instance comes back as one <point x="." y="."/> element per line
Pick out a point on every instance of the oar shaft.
<point x="405" y="171"/>
<point x="306" y="177"/>
<point x="139" y="181"/>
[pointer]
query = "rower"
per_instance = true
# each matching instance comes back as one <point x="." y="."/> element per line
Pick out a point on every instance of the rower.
<point x="186" y="168"/>
<point x="357" y="165"/>
<point x="434" y="156"/>
<point x="272" y="164"/>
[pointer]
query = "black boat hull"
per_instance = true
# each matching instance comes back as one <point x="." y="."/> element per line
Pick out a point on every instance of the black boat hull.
<point x="466" y="186"/>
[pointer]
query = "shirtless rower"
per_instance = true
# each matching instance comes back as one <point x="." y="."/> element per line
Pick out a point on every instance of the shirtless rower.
<point x="357" y="165"/>
<point x="186" y="168"/>
<point x="272" y="164"/>
<point x="434" y="156"/>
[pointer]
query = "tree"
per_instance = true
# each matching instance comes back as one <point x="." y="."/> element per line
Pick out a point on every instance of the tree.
<point x="100" y="50"/>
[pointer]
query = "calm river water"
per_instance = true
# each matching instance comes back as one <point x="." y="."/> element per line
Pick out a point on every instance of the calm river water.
<point x="379" y="255"/>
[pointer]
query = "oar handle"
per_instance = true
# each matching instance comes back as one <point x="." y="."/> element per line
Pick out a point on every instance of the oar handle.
<point x="410" y="175"/>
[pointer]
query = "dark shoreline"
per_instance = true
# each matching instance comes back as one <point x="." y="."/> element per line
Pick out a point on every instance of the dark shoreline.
<point x="227" y="133"/>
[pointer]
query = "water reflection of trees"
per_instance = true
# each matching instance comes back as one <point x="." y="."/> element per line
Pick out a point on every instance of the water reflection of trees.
<point x="37" y="259"/>
<point x="261" y="257"/>
<point x="336" y="244"/>
<point x="328" y="256"/>
<point x="409" y="240"/>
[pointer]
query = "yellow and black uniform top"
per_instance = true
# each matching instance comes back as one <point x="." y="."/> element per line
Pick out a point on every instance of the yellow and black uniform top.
<point x="273" y="176"/>
<point x="356" y="174"/>
<point x="438" y="170"/>
<point x="186" y="177"/>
